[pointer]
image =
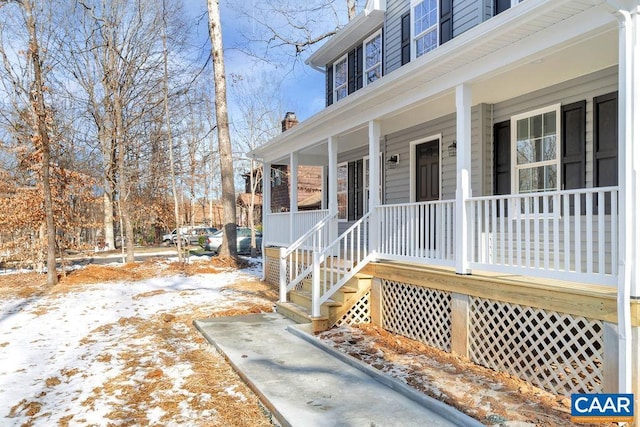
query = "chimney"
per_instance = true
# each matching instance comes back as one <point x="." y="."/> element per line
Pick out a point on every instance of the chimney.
<point x="289" y="121"/>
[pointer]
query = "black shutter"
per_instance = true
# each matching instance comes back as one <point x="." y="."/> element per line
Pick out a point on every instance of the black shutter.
<point x="605" y="152"/>
<point x="358" y="67"/>
<point x="574" y="150"/>
<point x="446" y="20"/>
<point x="405" y="44"/>
<point x="500" y="6"/>
<point x="574" y="145"/>
<point x="357" y="189"/>
<point x="329" y="85"/>
<point x="502" y="158"/>
<point x="351" y="71"/>
<point x="351" y="208"/>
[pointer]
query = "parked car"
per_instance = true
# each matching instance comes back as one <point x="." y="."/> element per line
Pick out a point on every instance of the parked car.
<point x="191" y="236"/>
<point x="243" y="240"/>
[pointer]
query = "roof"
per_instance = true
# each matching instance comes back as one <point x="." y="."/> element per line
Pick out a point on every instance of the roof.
<point x="370" y="19"/>
<point x="549" y="41"/>
<point x="244" y="199"/>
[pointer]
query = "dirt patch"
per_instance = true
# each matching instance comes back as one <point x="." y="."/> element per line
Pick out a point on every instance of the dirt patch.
<point x="493" y="398"/>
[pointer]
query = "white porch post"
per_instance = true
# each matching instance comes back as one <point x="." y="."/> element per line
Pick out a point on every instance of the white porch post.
<point x="374" y="183"/>
<point x="293" y="195"/>
<point x="463" y="175"/>
<point x="266" y="210"/>
<point x="332" y="148"/>
<point x="629" y="184"/>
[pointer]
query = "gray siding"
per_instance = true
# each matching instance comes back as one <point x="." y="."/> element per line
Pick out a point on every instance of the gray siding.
<point x="466" y="15"/>
<point x="397" y="181"/>
<point x="392" y="33"/>
<point x="583" y="88"/>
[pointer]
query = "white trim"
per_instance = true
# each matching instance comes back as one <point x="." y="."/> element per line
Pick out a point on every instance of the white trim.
<point x="412" y="164"/>
<point x="365" y="80"/>
<point x="365" y="181"/>
<point x="414" y="36"/>
<point x="334" y="89"/>
<point x="514" y="139"/>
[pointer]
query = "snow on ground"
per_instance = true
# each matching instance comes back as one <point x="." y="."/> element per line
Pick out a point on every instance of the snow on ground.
<point x="59" y="351"/>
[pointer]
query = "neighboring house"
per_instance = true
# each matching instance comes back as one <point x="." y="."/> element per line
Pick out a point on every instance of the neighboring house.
<point x="482" y="166"/>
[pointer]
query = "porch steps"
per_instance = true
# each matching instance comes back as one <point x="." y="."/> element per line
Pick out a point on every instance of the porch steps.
<point x="299" y="307"/>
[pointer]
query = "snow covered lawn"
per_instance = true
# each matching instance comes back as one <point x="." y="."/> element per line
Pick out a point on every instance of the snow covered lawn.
<point x="122" y="352"/>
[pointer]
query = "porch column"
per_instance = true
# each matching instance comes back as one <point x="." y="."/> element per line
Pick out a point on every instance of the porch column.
<point x="374" y="183"/>
<point x="266" y="210"/>
<point x="463" y="175"/>
<point x="293" y="195"/>
<point x="332" y="149"/>
<point x="629" y="185"/>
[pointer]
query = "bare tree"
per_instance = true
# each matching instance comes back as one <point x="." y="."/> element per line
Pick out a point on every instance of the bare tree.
<point x="291" y="27"/>
<point x="39" y="118"/>
<point x="229" y="244"/>
<point x="256" y="122"/>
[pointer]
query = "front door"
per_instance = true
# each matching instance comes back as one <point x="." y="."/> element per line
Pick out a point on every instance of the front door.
<point x="428" y="171"/>
<point x="428" y="189"/>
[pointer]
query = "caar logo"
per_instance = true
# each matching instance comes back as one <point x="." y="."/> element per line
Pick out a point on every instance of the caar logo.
<point x="590" y="408"/>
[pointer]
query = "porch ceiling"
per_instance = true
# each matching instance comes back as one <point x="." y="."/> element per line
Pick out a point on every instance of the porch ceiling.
<point x="534" y="45"/>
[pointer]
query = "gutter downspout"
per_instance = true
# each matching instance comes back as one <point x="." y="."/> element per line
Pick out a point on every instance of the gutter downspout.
<point x="625" y="181"/>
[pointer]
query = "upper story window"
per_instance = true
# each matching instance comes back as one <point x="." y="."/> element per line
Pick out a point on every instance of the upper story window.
<point x="373" y="57"/>
<point x="425" y="26"/>
<point x="340" y="78"/>
<point x="537" y="161"/>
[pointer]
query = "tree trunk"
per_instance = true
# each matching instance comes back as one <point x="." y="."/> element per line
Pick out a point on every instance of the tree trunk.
<point x="37" y="101"/>
<point x="229" y="244"/>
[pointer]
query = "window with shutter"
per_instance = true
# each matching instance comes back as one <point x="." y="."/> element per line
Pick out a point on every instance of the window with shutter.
<point x="424" y="17"/>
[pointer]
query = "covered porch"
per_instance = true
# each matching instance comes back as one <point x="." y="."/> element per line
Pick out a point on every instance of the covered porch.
<point x="573" y="242"/>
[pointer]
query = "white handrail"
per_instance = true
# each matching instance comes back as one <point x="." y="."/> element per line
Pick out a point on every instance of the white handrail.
<point x="339" y="262"/>
<point x="297" y="259"/>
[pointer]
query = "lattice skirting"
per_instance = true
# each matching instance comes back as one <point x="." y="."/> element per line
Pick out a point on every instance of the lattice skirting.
<point x="417" y="312"/>
<point x="359" y="313"/>
<point x="272" y="267"/>
<point x="554" y="351"/>
<point x="272" y="264"/>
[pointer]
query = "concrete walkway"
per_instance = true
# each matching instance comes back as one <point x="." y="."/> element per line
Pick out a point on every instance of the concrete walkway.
<point x="305" y="383"/>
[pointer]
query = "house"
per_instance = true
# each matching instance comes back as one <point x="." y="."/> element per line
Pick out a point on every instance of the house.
<point x="483" y="193"/>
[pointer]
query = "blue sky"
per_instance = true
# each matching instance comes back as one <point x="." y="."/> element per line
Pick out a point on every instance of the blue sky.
<point x="303" y="87"/>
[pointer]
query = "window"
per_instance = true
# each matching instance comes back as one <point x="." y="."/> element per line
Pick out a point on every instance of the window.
<point x="340" y="78"/>
<point x="425" y="26"/>
<point x="373" y="58"/>
<point x="343" y="187"/>
<point x="536" y="150"/>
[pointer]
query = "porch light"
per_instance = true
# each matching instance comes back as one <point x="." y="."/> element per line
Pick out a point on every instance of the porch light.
<point x="393" y="160"/>
<point x="453" y="149"/>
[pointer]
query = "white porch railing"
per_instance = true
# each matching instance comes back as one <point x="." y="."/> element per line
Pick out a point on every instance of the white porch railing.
<point x="282" y="229"/>
<point x="339" y="262"/>
<point x="569" y="235"/>
<point x="296" y="260"/>
<point x="417" y="232"/>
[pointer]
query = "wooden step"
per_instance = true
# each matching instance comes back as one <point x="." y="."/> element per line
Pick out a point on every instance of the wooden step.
<point x="294" y="312"/>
